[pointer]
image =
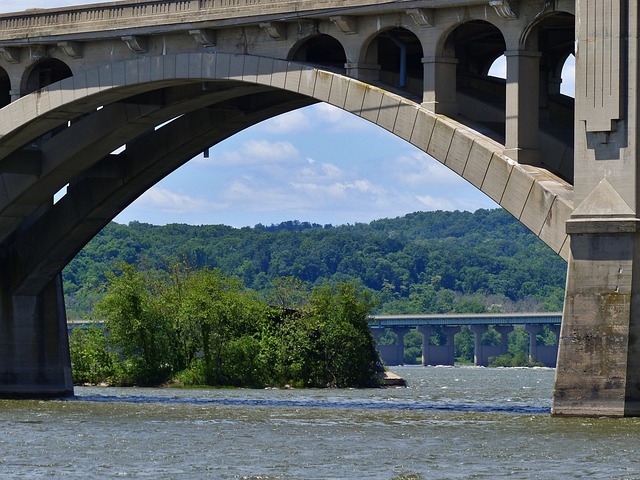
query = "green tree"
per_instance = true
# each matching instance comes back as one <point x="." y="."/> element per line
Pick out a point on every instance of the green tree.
<point x="138" y="327"/>
<point x="348" y="349"/>
<point x="92" y="360"/>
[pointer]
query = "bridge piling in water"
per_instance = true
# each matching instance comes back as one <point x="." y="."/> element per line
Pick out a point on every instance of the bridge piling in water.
<point x="598" y="370"/>
<point x="34" y="348"/>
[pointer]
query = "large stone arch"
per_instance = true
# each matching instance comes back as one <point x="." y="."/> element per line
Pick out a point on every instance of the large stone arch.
<point x="537" y="198"/>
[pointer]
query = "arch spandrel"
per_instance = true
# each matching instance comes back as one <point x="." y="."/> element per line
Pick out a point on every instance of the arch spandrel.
<point x="446" y="140"/>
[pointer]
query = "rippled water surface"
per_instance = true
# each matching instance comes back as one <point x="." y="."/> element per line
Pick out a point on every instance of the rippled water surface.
<point x="451" y="423"/>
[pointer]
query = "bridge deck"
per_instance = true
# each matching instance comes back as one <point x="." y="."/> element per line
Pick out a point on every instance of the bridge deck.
<point x="386" y="321"/>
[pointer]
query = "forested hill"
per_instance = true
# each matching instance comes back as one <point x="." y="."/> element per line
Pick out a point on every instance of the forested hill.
<point x="425" y="262"/>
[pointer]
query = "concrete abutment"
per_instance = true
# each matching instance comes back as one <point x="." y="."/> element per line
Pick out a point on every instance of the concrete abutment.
<point x="34" y="348"/>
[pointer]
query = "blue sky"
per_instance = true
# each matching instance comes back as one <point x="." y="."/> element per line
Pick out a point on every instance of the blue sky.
<point x="317" y="164"/>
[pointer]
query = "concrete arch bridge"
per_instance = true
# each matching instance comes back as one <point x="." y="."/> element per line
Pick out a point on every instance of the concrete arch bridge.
<point x="110" y="98"/>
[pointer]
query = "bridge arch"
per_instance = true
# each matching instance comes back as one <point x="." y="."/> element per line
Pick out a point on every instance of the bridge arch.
<point x="43" y="73"/>
<point x="322" y="50"/>
<point x="238" y="91"/>
<point x="398" y="53"/>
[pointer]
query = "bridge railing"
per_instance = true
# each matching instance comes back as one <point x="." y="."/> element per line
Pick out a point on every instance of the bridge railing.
<point x="388" y="321"/>
<point x="108" y="17"/>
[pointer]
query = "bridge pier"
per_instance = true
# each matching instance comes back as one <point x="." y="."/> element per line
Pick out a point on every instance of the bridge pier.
<point x="598" y="372"/>
<point x="482" y="353"/>
<point x="438" y="354"/>
<point x="34" y="348"/>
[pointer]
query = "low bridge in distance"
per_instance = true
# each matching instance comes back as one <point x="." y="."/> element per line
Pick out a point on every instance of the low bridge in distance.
<point x="448" y="325"/>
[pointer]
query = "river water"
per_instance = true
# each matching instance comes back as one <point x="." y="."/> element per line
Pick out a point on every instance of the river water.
<point x="451" y="423"/>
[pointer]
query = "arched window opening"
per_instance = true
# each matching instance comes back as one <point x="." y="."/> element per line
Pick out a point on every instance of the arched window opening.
<point x="399" y="54"/>
<point x="5" y="88"/>
<point x="479" y="47"/>
<point x="324" y="51"/>
<point x="45" y="73"/>
<point x="556" y="43"/>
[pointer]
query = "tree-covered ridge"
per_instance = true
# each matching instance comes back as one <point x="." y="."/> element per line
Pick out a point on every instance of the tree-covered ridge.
<point x="424" y="262"/>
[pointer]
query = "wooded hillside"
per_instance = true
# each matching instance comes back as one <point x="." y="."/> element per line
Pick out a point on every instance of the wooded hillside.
<point x="425" y="262"/>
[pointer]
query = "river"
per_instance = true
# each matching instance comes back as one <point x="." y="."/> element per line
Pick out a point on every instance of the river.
<point x="451" y="423"/>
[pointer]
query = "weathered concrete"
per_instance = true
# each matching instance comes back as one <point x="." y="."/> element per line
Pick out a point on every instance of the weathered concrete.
<point x="599" y="362"/>
<point x="84" y="81"/>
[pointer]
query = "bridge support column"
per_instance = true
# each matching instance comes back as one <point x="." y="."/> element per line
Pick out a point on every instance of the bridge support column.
<point x="533" y="331"/>
<point x="478" y="354"/>
<point x="426" y="331"/>
<point x="598" y="372"/>
<point x="440" y="84"/>
<point x="438" y="354"/>
<point x="34" y="347"/>
<point x="504" y="331"/>
<point x="522" y="106"/>
<point x="400" y="332"/>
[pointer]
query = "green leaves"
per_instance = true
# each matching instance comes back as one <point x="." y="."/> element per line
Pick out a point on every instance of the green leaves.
<point x="486" y="253"/>
<point x="203" y="328"/>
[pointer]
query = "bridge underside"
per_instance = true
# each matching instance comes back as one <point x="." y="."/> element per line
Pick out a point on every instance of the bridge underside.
<point x="111" y="141"/>
<point x="111" y="125"/>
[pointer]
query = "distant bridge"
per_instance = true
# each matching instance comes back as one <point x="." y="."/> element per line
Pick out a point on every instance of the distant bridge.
<point x="450" y="324"/>
<point x="459" y="319"/>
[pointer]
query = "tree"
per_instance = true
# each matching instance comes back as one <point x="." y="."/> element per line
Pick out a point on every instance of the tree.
<point x="345" y="340"/>
<point x="92" y="360"/>
<point x="138" y="327"/>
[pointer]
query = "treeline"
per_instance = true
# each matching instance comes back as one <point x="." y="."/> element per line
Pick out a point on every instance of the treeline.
<point x="426" y="262"/>
<point x="203" y="328"/>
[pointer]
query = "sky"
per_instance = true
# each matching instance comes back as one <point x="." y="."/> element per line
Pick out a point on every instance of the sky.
<point x="317" y="164"/>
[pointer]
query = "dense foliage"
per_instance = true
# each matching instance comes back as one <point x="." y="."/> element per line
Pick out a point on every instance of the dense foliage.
<point x="203" y="328"/>
<point x="426" y="262"/>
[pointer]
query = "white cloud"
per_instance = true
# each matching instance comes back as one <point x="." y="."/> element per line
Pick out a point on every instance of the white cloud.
<point x="294" y="121"/>
<point x="418" y="169"/>
<point x="175" y="203"/>
<point x="320" y="172"/>
<point x="433" y="203"/>
<point x="254" y="152"/>
<point x="568" y="86"/>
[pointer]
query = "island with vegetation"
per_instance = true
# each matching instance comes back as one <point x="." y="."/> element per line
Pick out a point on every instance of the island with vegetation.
<point x="282" y="304"/>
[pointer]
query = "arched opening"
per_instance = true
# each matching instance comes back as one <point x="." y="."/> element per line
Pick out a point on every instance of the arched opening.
<point x="554" y="38"/>
<point x="399" y="54"/>
<point x="5" y="88"/>
<point x="323" y="50"/>
<point x="480" y="93"/>
<point x="45" y="73"/>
